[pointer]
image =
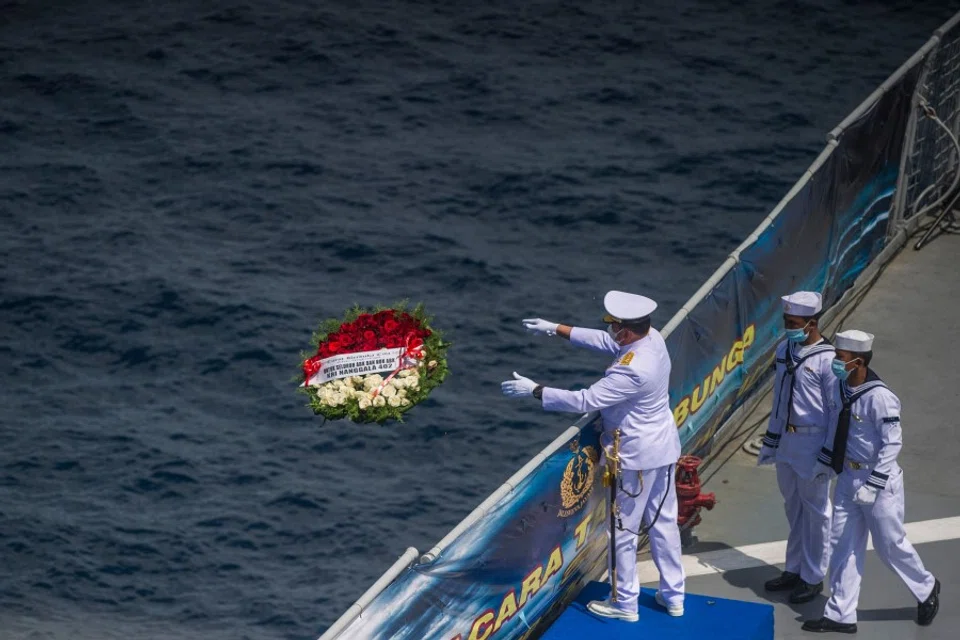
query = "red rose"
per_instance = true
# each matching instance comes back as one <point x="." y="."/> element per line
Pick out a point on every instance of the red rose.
<point x="370" y="345"/>
<point x="390" y="325"/>
<point x="346" y="340"/>
<point x="323" y="351"/>
<point x="333" y="347"/>
<point x="416" y="342"/>
<point x="392" y="342"/>
<point x="369" y="336"/>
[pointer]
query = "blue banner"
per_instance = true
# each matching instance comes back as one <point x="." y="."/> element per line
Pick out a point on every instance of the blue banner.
<point x="512" y="572"/>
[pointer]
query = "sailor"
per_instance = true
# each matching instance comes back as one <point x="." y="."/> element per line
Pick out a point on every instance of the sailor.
<point x="865" y="440"/>
<point x="632" y="398"/>
<point x="795" y="435"/>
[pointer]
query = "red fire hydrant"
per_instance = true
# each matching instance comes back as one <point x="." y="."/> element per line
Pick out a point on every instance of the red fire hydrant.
<point x="689" y="497"/>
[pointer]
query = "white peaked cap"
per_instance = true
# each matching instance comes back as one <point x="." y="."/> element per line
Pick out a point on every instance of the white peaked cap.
<point x="624" y="307"/>
<point x="802" y="303"/>
<point x="853" y="340"/>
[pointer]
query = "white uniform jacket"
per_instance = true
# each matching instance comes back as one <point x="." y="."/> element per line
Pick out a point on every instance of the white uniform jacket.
<point x="799" y="422"/>
<point x="632" y="396"/>
<point x="875" y="437"/>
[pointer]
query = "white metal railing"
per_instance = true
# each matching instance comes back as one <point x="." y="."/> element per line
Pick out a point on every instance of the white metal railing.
<point x="402" y="564"/>
<point x="917" y="172"/>
<point x="930" y="147"/>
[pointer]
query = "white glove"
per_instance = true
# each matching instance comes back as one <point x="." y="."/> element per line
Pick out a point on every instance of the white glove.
<point x="519" y="387"/>
<point x="865" y="495"/>
<point x="540" y="326"/>
<point x="766" y="456"/>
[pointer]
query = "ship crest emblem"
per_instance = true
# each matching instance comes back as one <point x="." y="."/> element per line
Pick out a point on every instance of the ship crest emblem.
<point x="578" y="476"/>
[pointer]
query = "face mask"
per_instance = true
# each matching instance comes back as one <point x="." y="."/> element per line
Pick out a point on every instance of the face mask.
<point x="797" y="335"/>
<point x="840" y="369"/>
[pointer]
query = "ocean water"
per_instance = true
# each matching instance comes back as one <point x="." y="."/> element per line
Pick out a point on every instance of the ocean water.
<point x="188" y="188"/>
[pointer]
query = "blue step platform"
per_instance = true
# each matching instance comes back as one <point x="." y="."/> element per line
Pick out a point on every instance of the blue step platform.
<point x="704" y="618"/>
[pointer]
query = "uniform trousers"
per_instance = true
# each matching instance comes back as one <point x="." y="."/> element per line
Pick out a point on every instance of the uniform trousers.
<point x="807" y="505"/>
<point x="658" y="484"/>
<point x="884" y="521"/>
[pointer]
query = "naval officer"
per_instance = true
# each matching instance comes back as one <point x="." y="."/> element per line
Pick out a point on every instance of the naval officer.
<point x="865" y="441"/>
<point x="632" y="397"/>
<point x="795" y="435"/>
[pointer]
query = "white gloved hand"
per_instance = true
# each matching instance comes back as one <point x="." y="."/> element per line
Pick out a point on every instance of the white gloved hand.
<point x="766" y="456"/>
<point x="519" y="387"/>
<point x="540" y="326"/>
<point x="865" y="495"/>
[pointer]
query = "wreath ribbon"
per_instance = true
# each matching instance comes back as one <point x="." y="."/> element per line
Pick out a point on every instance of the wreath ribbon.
<point x="413" y="352"/>
<point x="311" y="367"/>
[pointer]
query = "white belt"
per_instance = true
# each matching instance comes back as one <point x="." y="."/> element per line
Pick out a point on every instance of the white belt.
<point x="792" y="428"/>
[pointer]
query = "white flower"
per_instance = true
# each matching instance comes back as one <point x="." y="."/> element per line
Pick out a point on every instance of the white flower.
<point x="394" y="401"/>
<point x="406" y="373"/>
<point x="389" y="391"/>
<point x="336" y="399"/>
<point x="432" y="364"/>
<point x="364" y="403"/>
<point x="404" y="402"/>
<point x="401" y="393"/>
<point x="356" y="381"/>
<point x="372" y="381"/>
<point x="379" y="401"/>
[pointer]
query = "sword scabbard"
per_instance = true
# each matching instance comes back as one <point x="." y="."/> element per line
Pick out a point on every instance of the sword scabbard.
<point x="612" y="481"/>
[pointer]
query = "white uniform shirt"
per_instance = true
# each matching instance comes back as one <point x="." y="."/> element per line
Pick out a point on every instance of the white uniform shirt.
<point x="875" y="437"/>
<point x="806" y="410"/>
<point x="632" y="396"/>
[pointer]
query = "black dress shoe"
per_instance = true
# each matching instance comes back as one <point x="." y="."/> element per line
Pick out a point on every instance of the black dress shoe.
<point x="826" y="625"/>
<point x="805" y="592"/>
<point x="927" y="610"/>
<point x="786" y="581"/>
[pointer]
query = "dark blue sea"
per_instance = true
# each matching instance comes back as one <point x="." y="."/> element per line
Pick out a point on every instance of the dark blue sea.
<point x="188" y="188"/>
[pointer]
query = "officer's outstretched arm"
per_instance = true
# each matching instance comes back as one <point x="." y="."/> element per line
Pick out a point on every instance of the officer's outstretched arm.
<point x="609" y="391"/>
<point x="593" y="339"/>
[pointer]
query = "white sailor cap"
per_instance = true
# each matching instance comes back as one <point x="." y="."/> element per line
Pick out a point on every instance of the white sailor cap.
<point x="853" y="340"/>
<point x="802" y="303"/>
<point x="626" y="307"/>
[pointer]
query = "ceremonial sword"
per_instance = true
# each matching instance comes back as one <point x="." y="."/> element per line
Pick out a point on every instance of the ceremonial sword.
<point x="611" y="477"/>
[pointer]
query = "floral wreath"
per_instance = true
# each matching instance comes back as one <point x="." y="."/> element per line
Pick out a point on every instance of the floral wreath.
<point x="373" y="365"/>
